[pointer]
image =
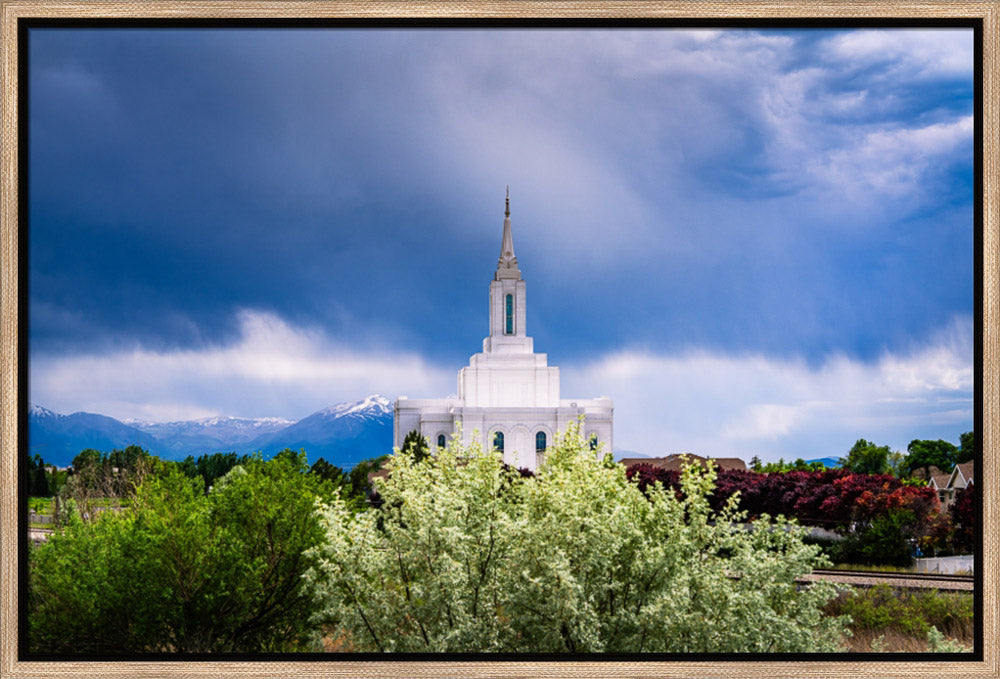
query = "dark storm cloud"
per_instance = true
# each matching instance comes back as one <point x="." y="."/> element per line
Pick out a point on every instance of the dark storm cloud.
<point x="195" y="195"/>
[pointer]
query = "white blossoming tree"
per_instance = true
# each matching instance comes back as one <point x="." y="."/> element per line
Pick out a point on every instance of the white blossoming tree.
<point x="465" y="555"/>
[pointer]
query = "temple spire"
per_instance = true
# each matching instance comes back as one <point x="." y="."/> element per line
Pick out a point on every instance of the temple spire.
<point x="507" y="266"/>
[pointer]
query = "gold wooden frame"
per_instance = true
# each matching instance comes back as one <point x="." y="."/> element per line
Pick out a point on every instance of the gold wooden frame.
<point x="13" y="10"/>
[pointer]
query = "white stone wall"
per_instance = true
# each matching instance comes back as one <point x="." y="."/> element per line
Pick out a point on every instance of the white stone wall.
<point x="519" y="425"/>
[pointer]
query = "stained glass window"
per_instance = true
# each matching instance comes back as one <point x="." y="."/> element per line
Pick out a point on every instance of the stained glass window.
<point x="509" y="328"/>
<point x="441" y="440"/>
<point x="540" y="442"/>
<point x="498" y="441"/>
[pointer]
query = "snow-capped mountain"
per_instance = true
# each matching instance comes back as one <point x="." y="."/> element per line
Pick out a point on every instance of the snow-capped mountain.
<point x="343" y="434"/>
<point x="58" y="438"/>
<point x="373" y="407"/>
<point x="210" y="432"/>
<point x="40" y="412"/>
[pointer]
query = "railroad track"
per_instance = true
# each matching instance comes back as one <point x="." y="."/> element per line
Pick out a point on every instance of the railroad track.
<point x="906" y="580"/>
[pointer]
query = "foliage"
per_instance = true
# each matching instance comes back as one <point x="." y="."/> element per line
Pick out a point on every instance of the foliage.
<point x="102" y="480"/>
<point x="38" y="479"/>
<point x="211" y="467"/>
<point x="358" y="476"/>
<point x="888" y="540"/>
<point x="415" y="444"/>
<point x="114" y="474"/>
<point x="865" y="457"/>
<point x="923" y="454"/>
<point x="855" y="505"/>
<point x="182" y="570"/>
<point x="465" y="555"/>
<point x="963" y="516"/>
<point x="938" y="643"/>
<point x="329" y="472"/>
<point x="913" y="612"/>
<point x="781" y="467"/>
<point x="646" y="475"/>
<point x="897" y="466"/>
<point x="967" y="447"/>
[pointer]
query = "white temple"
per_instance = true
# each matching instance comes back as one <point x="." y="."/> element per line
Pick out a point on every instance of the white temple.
<point x="508" y="396"/>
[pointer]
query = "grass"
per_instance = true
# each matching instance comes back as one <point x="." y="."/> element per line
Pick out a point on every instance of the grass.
<point x="41" y="505"/>
<point x="896" y="620"/>
<point x="873" y="568"/>
<point x="46" y="506"/>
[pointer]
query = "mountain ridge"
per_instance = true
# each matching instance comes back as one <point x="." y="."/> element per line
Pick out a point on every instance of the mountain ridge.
<point x="343" y="433"/>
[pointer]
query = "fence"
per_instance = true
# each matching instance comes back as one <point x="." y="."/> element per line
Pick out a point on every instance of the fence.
<point x="964" y="563"/>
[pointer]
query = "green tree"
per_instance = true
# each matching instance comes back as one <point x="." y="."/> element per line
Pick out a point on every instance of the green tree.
<point x="889" y="539"/>
<point x="967" y="447"/>
<point x="925" y="453"/>
<point x="415" y="444"/>
<point x="182" y="570"/>
<point x="215" y="466"/>
<point x="331" y="473"/>
<point x="87" y="466"/>
<point x="358" y="476"/>
<point x="467" y="555"/>
<point x="897" y="464"/>
<point x="865" y="457"/>
<point x="38" y="478"/>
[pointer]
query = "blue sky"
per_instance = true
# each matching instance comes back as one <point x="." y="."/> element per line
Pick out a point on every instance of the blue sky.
<point x="756" y="242"/>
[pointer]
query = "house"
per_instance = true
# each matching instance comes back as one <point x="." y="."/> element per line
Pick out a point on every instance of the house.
<point x="676" y="461"/>
<point x="947" y="485"/>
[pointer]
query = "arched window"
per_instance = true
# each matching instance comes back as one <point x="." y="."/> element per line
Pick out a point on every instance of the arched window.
<point x="441" y="441"/>
<point x="509" y="316"/>
<point x="498" y="441"/>
<point x="540" y="442"/>
<point x="593" y="441"/>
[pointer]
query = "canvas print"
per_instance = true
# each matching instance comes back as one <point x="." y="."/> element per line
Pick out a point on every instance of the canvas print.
<point x="500" y="340"/>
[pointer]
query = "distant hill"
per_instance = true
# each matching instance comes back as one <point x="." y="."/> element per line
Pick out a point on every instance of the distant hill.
<point x="619" y="454"/>
<point x="828" y="462"/>
<point x="343" y="434"/>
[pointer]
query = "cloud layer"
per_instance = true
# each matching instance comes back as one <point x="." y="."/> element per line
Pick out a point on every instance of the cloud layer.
<point x="272" y="369"/>
<point x="788" y="211"/>
<point x="698" y="402"/>
<point x="749" y="405"/>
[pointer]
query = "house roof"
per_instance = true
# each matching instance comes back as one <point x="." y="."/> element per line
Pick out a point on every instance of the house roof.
<point x="939" y="479"/>
<point x="962" y="475"/>
<point x="632" y="461"/>
<point x="935" y="477"/>
<point x="676" y="462"/>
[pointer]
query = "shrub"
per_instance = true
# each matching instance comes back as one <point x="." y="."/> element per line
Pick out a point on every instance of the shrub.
<point x="182" y="570"/>
<point x="466" y="556"/>
<point x="914" y="613"/>
<point x="963" y="513"/>
<point x="888" y="540"/>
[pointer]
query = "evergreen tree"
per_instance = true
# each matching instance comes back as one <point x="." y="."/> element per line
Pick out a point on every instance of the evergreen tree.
<point x="415" y="445"/>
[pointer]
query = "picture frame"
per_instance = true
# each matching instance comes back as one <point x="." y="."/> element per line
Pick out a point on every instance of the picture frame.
<point x="13" y="352"/>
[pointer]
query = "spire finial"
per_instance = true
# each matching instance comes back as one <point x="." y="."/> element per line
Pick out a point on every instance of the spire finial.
<point x="506" y="212"/>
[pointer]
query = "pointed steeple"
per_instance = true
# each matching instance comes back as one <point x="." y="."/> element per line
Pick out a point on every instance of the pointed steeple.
<point x="507" y="265"/>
